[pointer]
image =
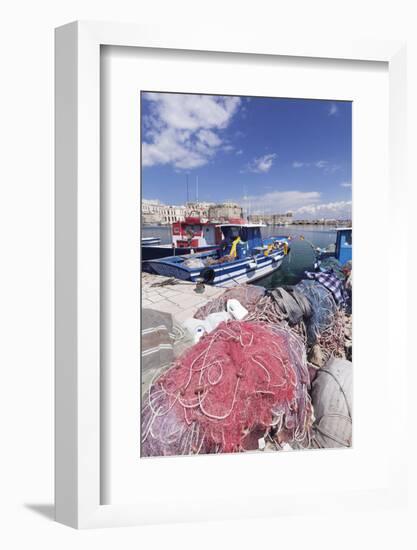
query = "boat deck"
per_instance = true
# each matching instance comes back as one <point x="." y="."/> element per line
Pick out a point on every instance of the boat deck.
<point x="175" y="296"/>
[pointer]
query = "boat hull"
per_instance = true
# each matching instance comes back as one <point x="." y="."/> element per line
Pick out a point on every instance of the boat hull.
<point x="249" y="276"/>
<point x="225" y="275"/>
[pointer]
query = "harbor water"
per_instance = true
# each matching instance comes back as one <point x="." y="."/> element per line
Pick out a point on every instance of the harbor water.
<point x="300" y="259"/>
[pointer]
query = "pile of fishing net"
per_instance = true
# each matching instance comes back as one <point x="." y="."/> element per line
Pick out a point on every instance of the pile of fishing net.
<point x="247" y="295"/>
<point x="347" y="271"/>
<point x="333" y="264"/>
<point x="282" y="306"/>
<point x="240" y="383"/>
<point x="218" y="261"/>
<point x="326" y="324"/>
<point x="323" y="308"/>
<point x="308" y="309"/>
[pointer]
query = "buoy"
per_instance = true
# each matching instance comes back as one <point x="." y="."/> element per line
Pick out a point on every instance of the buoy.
<point x="236" y="310"/>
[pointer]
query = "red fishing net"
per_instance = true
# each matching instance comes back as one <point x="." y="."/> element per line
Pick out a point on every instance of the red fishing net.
<point x="242" y="381"/>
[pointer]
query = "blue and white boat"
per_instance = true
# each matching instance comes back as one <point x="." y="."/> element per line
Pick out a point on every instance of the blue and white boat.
<point x="341" y="249"/>
<point x="344" y="244"/>
<point x="243" y="257"/>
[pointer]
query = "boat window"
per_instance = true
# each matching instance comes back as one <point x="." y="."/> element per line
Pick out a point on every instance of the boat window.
<point x="193" y="228"/>
<point x="243" y="234"/>
<point x="257" y="232"/>
<point x="231" y="232"/>
<point x="347" y="238"/>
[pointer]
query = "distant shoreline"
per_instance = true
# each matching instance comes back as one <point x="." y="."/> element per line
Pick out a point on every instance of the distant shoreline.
<point x="301" y="222"/>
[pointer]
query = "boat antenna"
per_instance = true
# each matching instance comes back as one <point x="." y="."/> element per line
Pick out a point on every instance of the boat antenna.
<point x="196" y="189"/>
<point x="188" y="193"/>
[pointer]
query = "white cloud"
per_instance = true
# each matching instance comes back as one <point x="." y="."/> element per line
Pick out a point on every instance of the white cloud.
<point x="345" y="184"/>
<point x="239" y="152"/>
<point x="275" y="202"/>
<point x="333" y="110"/>
<point x="303" y="204"/>
<point x="209" y="138"/>
<point x="183" y="130"/>
<point x="339" y="209"/>
<point x="324" y="165"/>
<point x="261" y="165"/>
<point x="228" y="148"/>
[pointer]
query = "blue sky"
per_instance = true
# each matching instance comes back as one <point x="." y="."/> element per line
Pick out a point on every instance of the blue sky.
<point x="271" y="154"/>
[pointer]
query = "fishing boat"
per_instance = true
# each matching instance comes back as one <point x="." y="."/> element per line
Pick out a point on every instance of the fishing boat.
<point x="341" y="249"/>
<point x="242" y="257"/>
<point x="344" y="244"/>
<point x="191" y="235"/>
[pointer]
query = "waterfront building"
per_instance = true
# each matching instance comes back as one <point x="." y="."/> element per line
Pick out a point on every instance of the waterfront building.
<point x="198" y="209"/>
<point x="324" y="221"/>
<point x="156" y="213"/>
<point x="225" y="211"/>
<point x="272" y="219"/>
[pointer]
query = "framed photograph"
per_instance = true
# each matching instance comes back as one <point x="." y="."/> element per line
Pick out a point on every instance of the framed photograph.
<point x="216" y="354"/>
<point x="246" y="286"/>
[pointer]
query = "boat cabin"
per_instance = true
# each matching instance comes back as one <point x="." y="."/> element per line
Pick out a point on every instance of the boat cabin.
<point x="344" y="244"/>
<point x="194" y="233"/>
<point x="241" y="240"/>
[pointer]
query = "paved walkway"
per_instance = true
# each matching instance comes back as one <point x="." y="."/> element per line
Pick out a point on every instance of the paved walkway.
<point x="179" y="298"/>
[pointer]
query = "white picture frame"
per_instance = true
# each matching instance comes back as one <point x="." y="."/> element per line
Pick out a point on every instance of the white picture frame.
<point x="78" y="501"/>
